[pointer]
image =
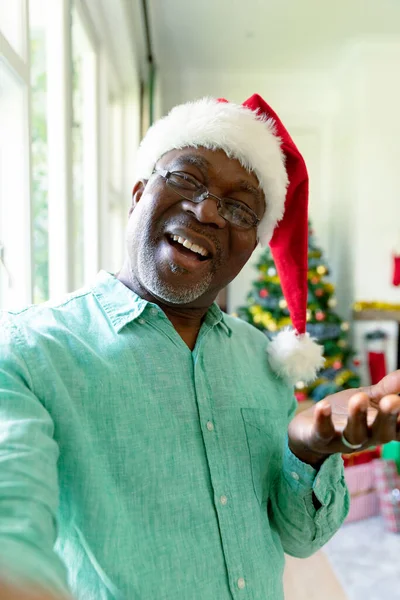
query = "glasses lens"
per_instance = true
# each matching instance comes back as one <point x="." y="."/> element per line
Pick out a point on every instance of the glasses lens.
<point x="183" y="181"/>
<point x="238" y="214"/>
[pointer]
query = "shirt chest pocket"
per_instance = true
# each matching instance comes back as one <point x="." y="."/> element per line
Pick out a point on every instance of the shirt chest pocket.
<point x="266" y="433"/>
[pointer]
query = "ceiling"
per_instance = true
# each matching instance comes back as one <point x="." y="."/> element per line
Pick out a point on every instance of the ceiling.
<point x="263" y="34"/>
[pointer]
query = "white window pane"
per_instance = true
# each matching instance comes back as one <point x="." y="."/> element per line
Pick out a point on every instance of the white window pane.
<point x="37" y="11"/>
<point x="15" y="269"/>
<point x="115" y="144"/>
<point x="84" y="155"/>
<point x="12" y="22"/>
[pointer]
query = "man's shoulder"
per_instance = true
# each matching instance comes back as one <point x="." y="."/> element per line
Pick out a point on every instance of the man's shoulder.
<point x="40" y="317"/>
<point x="246" y="331"/>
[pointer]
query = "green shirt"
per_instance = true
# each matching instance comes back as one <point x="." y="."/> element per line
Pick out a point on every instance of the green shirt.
<point x="134" y="468"/>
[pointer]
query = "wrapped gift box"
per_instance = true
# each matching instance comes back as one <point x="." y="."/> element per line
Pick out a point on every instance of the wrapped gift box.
<point x="364" y="501"/>
<point x="387" y="483"/>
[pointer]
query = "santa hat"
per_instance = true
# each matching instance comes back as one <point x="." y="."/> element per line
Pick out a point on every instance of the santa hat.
<point x="253" y="134"/>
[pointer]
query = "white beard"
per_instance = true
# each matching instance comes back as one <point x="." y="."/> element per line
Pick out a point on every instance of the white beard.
<point x="150" y="279"/>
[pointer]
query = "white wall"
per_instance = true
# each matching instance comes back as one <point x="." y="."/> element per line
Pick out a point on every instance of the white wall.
<point x="365" y="177"/>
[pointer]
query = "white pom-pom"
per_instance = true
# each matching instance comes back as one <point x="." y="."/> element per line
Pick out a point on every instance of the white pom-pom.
<point x="295" y="357"/>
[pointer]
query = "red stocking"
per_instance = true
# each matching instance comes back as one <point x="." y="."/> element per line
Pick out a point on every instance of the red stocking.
<point x="396" y="270"/>
<point x="377" y="366"/>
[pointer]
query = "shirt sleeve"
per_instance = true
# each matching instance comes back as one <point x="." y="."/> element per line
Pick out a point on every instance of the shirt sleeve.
<point x="302" y="527"/>
<point x="29" y="482"/>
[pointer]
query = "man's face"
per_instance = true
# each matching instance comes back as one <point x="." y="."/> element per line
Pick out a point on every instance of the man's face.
<point x="161" y="220"/>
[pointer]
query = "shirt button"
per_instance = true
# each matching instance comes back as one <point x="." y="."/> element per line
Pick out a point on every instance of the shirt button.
<point x="223" y="500"/>
<point x="295" y="475"/>
<point x="241" y="583"/>
<point x="154" y="311"/>
<point x="142" y="321"/>
<point x="210" y="426"/>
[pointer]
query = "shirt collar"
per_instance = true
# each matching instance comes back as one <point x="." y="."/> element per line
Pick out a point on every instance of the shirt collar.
<point x="122" y="305"/>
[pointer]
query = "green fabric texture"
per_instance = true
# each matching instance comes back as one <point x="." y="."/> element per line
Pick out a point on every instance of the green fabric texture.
<point x="135" y="468"/>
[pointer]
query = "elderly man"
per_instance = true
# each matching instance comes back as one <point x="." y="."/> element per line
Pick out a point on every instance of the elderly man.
<point x="145" y="445"/>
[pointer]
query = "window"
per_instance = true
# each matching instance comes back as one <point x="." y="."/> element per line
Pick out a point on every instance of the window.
<point x="84" y="154"/>
<point x="12" y="24"/>
<point x="117" y="208"/>
<point x="38" y="80"/>
<point x="15" y="219"/>
<point x="62" y="113"/>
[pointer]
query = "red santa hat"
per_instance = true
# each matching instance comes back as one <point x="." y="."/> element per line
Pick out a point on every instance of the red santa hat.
<point x="253" y="134"/>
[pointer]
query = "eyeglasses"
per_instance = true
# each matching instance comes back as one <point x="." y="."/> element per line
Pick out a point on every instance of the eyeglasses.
<point x="190" y="188"/>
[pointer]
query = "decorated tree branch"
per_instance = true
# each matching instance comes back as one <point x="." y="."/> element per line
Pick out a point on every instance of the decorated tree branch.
<point x="267" y="310"/>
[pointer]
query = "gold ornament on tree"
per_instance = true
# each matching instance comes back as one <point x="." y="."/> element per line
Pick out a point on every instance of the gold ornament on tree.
<point x="282" y="303"/>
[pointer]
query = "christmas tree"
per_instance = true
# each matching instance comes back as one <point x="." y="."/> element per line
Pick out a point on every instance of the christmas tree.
<point x="267" y="310"/>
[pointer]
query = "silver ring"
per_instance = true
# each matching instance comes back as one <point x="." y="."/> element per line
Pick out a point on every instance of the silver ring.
<point x="351" y="446"/>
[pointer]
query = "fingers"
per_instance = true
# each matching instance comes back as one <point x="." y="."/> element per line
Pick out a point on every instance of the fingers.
<point x="323" y="430"/>
<point x="356" y="431"/>
<point x="386" y="427"/>
<point x="387" y="386"/>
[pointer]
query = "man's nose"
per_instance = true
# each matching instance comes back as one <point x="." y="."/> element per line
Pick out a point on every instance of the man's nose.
<point x="205" y="211"/>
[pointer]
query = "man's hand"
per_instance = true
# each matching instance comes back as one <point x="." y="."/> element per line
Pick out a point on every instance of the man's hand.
<point x="367" y="416"/>
<point x="9" y="592"/>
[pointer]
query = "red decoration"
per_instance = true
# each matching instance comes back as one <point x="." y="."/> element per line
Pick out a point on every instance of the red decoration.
<point x="319" y="292"/>
<point x="356" y="362"/>
<point x="361" y="458"/>
<point x="314" y="280"/>
<point x="396" y="270"/>
<point x="377" y="366"/>
<point x="337" y="364"/>
<point x="300" y="396"/>
<point x="320" y="316"/>
<point x="264" y="293"/>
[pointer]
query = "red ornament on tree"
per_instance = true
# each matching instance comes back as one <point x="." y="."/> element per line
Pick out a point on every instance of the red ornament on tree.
<point x="319" y="292"/>
<point x="337" y="364"/>
<point x="314" y="280"/>
<point x="320" y="316"/>
<point x="300" y="396"/>
<point x="356" y="362"/>
<point x="264" y="293"/>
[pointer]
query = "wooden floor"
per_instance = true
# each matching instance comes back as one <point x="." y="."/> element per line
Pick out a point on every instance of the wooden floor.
<point x="311" y="579"/>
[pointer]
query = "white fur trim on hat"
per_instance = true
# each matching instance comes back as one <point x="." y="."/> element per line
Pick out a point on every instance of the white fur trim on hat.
<point x="237" y="130"/>
<point x="295" y="357"/>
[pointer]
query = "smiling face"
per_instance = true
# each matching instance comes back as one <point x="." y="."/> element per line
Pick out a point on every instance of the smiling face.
<point x="185" y="253"/>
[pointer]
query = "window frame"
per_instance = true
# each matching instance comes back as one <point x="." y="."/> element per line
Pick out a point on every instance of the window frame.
<point x="16" y="287"/>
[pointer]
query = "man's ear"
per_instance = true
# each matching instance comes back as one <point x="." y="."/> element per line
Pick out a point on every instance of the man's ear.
<point x="137" y="193"/>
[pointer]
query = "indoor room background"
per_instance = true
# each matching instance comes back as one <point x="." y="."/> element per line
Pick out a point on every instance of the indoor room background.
<point x="82" y="80"/>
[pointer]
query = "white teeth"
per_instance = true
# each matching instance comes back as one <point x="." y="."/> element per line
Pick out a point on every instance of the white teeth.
<point x="189" y="245"/>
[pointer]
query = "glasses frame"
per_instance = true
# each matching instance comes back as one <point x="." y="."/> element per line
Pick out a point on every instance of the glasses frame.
<point x="203" y="193"/>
